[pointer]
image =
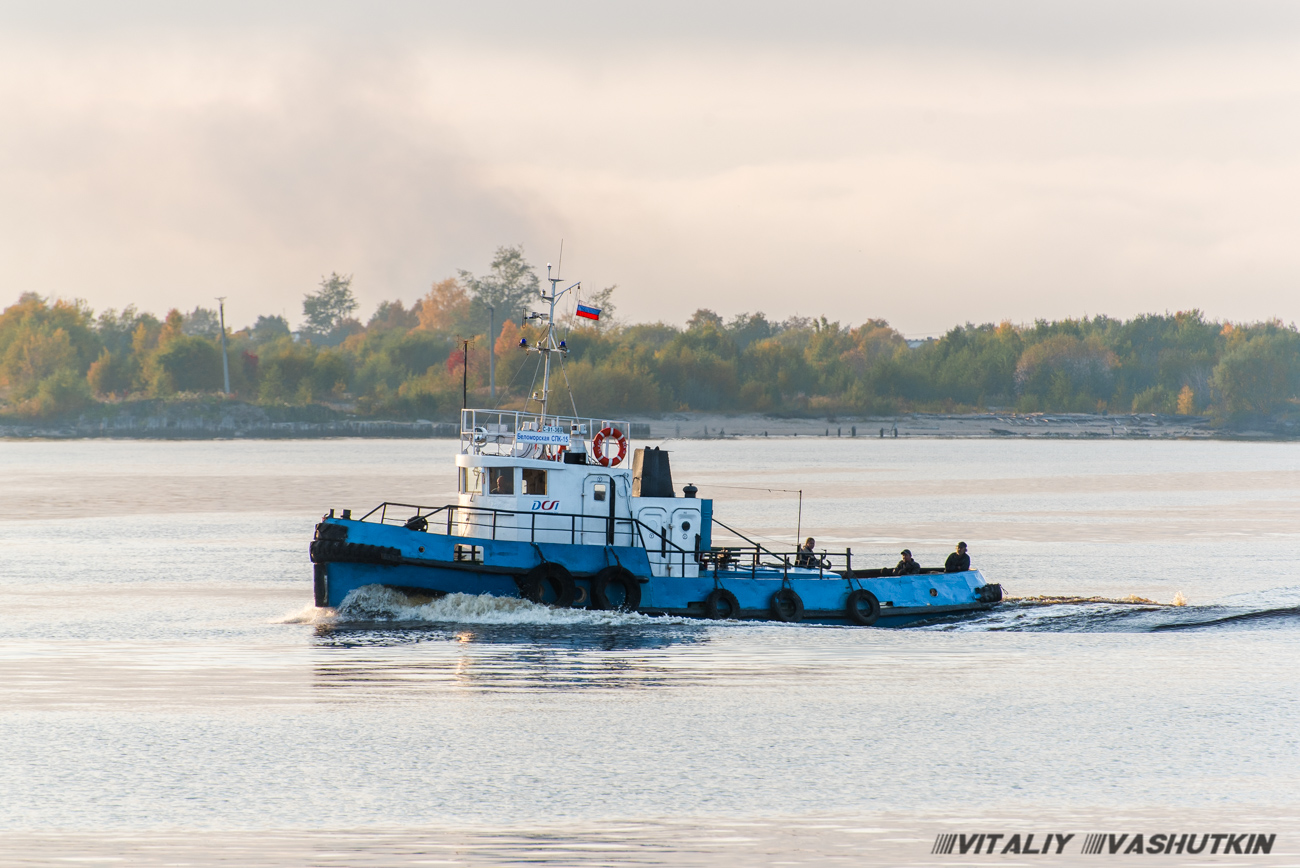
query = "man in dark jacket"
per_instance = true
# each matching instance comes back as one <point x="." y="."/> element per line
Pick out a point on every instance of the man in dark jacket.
<point x="958" y="561"/>
<point x="907" y="566"/>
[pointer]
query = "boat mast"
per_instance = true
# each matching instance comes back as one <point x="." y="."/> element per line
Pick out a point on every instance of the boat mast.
<point x="548" y="345"/>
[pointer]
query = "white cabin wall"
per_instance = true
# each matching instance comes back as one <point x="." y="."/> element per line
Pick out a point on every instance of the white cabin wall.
<point x="564" y="495"/>
<point x="669" y="513"/>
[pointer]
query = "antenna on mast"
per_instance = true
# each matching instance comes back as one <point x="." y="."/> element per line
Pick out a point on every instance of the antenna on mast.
<point x="547" y="346"/>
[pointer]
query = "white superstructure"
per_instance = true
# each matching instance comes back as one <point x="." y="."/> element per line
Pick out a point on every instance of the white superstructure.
<point x="568" y="479"/>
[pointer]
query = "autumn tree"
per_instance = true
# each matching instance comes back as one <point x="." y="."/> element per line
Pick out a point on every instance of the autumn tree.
<point x="45" y="350"/>
<point x="327" y="310"/>
<point x="1259" y="375"/>
<point x="445" y="308"/>
<point x="268" y="329"/>
<point x="508" y="287"/>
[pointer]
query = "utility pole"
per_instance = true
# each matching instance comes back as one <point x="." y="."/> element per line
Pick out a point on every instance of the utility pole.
<point x="464" y="374"/>
<point x="492" y="353"/>
<point x="225" y="359"/>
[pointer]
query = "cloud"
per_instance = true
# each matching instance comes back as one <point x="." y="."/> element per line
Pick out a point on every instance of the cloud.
<point x="919" y="165"/>
<point x="169" y="176"/>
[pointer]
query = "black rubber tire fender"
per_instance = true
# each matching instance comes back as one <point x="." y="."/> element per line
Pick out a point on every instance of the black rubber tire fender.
<point x="863" y="616"/>
<point x="331" y="531"/>
<point x="787" y="606"/>
<point x="720" y="604"/>
<point x="626" y="588"/>
<point x="548" y="583"/>
<point x="320" y="585"/>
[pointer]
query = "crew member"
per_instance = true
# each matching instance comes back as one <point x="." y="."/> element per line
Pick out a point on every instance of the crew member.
<point x="806" y="558"/>
<point x="907" y="566"/>
<point x="958" y="561"/>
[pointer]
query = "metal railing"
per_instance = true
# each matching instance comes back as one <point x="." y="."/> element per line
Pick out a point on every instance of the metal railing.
<point x="488" y="523"/>
<point x="827" y="563"/>
<point x="480" y="522"/>
<point x="496" y="432"/>
<point x="753" y="559"/>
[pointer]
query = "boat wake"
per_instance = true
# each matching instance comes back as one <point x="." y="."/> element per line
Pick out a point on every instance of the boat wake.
<point x="1274" y="609"/>
<point x="1284" y="617"/>
<point x="376" y="604"/>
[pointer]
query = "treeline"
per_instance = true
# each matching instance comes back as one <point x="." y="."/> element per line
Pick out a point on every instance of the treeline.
<point x="58" y="357"/>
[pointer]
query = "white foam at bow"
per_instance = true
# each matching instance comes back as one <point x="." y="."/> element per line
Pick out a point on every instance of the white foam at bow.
<point x="309" y="614"/>
<point x="377" y="603"/>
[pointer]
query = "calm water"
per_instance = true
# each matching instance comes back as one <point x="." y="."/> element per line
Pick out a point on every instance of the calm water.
<point x="169" y="696"/>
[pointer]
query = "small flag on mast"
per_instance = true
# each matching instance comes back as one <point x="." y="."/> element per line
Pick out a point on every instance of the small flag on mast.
<point x="588" y="312"/>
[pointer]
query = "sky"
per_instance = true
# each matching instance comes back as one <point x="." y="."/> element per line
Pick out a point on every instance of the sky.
<point x="929" y="163"/>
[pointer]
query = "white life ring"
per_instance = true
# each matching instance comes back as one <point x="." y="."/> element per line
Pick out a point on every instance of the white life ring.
<point x="598" y="446"/>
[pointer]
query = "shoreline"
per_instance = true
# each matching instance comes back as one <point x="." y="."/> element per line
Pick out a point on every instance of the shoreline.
<point x="982" y="426"/>
<point x="238" y="423"/>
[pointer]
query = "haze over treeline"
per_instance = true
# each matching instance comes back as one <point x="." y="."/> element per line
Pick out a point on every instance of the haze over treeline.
<point x="57" y="357"/>
<point x="928" y="163"/>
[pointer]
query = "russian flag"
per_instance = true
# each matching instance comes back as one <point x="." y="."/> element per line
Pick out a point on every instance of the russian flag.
<point x="588" y="312"/>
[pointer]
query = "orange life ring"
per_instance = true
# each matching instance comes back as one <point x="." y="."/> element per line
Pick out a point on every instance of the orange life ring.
<point x="556" y="453"/>
<point x="598" y="446"/>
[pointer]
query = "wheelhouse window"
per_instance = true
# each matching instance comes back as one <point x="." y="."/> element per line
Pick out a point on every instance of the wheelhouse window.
<point x="471" y="480"/>
<point x="501" y="480"/>
<point x="534" y="481"/>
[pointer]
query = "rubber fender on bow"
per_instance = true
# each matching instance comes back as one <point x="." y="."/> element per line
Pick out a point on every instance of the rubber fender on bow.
<point x="549" y="584"/>
<point x="325" y="530"/>
<point x="989" y="593"/>
<point x="323" y="550"/>
<point x="721" y="604"/>
<point x="862" y="607"/>
<point x="417" y="522"/>
<point x="320" y="585"/>
<point x="332" y="551"/>
<point x="786" y="606"/>
<point x="615" y="588"/>
<point x="367" y="554"/>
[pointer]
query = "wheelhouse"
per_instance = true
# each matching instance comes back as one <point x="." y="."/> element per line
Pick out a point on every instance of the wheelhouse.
<point x="576" y="480"/>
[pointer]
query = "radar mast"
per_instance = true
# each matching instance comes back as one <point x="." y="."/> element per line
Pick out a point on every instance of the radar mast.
<point x="548" y="345"/>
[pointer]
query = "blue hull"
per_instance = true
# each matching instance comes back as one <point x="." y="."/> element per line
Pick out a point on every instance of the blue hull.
<point x="436" y="564"/>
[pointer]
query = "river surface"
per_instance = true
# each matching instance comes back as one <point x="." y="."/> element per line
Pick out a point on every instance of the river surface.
<point x="168" y="695"/>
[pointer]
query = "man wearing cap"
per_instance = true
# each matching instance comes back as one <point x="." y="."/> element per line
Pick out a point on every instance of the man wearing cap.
<point x="958" y="561"/>
<point x="907" y="566"/>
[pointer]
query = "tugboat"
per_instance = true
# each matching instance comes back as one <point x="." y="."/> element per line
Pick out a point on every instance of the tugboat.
<point x="549" y="510"/>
